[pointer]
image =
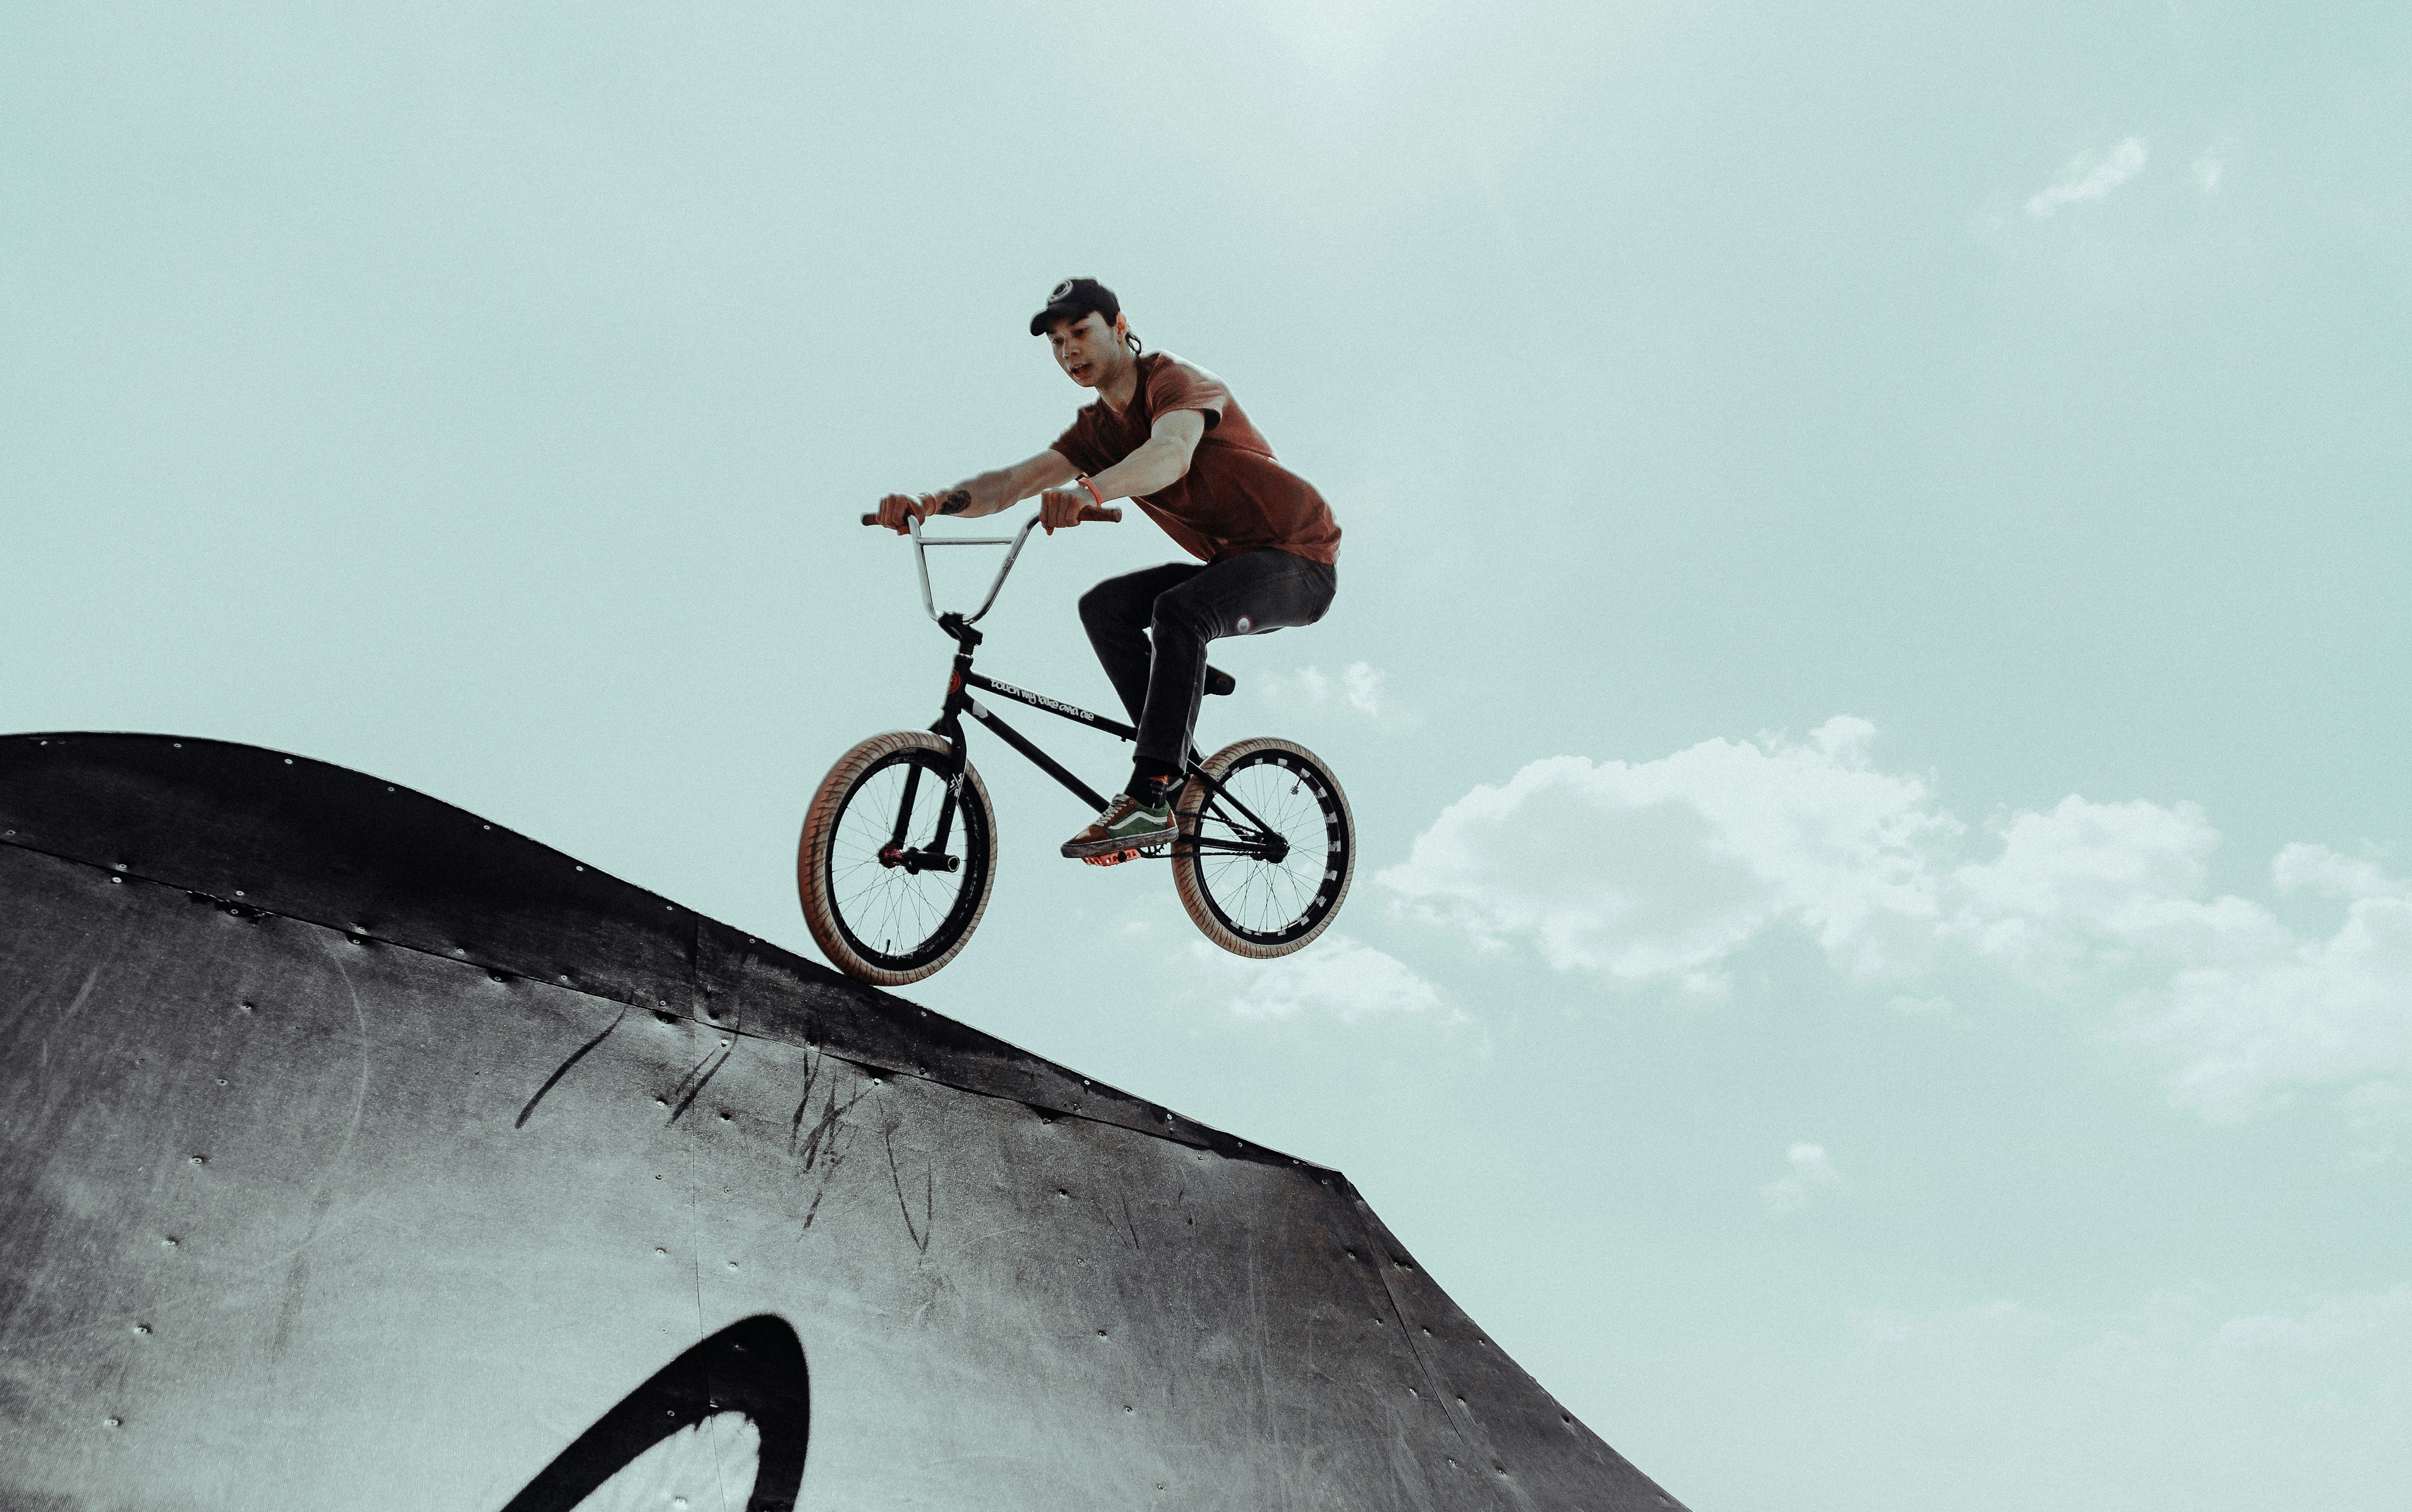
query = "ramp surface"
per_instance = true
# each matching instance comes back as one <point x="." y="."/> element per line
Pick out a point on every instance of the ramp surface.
<point x="356" y="1152"/>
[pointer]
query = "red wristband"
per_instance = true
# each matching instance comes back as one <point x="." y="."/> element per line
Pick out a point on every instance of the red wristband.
<point x="1083" y="481"/>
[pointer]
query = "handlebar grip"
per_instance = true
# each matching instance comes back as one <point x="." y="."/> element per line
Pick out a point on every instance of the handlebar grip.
<point x="871" y="519"/>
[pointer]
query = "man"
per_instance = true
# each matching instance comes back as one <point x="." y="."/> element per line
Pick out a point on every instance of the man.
<point x="1168" y="435"/>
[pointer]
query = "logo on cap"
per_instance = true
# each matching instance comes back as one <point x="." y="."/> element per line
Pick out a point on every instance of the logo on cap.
<point x="1059" y="291"/>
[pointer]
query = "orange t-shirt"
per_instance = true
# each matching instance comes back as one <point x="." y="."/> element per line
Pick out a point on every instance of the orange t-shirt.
<point x="1235" y="498"/>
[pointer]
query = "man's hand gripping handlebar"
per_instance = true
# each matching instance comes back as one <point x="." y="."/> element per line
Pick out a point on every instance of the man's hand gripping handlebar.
<point x="1058" y="509"/>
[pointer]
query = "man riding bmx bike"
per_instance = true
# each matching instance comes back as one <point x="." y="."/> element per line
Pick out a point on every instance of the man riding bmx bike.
<point x="1168" y="435"/>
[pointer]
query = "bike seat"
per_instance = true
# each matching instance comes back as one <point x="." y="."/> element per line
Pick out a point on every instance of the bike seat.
<point x="1219" y="681"/>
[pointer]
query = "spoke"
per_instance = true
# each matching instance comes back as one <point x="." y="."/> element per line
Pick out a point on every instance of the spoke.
<point x="1256" y="894"/>
<point x="889" y="909"/>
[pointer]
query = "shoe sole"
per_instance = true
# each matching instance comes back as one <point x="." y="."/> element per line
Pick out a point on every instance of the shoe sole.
<point x="1075" y="851"/>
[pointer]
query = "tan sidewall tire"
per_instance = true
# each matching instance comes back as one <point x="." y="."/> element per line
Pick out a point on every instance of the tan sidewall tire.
<point x="1184" y="867"/>
<point x="812" y="848"/>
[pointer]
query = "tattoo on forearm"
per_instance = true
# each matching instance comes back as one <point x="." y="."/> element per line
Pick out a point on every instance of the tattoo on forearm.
<point x="954" y="502"/>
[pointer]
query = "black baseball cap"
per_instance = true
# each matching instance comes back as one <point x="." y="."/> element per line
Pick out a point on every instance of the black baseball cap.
<point x="1073" y="299"/>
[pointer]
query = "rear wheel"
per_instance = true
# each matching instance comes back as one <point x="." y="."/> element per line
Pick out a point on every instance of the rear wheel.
<point x="1263" y="866"/>
<point x="883" y="905"/>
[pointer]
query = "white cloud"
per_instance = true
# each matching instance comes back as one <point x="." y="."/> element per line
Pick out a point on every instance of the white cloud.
<point x="1659" y="872"/>
<point x="2089" y="177"/>
<point x="2279" y="1012"/>
<point x="1307" y="685"/>
<point x="1810" y="1170"/>
<point x="1363" y="683"/>
<point x="1338" y="975"/>
<point x="1359" y="686"/>
<point x="2301" y="867"/>
<point x="2249" y="1009"/>
<point x="2081" y="873"/>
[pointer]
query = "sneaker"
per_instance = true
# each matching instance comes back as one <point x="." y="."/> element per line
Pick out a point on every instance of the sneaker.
<point x="1126" y="824"/>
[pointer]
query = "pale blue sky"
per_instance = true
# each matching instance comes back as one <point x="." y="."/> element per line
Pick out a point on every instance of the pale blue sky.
<point x="1785" y="452"/>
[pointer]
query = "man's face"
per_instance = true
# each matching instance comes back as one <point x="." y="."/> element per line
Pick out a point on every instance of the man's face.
<point x="1089" y="350"/>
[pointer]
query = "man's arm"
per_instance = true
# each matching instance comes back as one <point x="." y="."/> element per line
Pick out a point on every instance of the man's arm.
<point x="982" y="495"/>
<point x="1161" y="461"/>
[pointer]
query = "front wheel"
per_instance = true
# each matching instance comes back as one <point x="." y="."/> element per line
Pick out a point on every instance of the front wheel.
<point x="1262" y="865"/>
<point x="888" y="904"/>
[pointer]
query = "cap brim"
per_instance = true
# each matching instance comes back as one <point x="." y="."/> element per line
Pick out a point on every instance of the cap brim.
<point x="1044" y="319"/>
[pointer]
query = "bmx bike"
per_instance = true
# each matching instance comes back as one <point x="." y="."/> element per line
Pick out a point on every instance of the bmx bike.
<point x="898" y="854"/>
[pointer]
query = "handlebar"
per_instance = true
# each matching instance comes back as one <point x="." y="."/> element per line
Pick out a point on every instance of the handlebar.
<point x="922" y="544"/>
<point x="1102" y="514"/>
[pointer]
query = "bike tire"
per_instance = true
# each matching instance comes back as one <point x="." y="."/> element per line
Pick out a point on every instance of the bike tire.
<point x="1248" y="905"/>
<point x="918" y="928"/>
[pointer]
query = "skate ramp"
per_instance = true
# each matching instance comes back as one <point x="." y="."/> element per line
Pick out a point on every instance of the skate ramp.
<point x="358" y="1153"/>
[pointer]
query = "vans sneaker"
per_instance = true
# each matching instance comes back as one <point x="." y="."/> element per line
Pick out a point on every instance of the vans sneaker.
<point x="1126" y="826"/>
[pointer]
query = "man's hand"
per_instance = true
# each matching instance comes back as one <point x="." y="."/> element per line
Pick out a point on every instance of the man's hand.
<point x="1060" y="508"/>
<point x="895" y="509"/>
<point x="899" y="508"/>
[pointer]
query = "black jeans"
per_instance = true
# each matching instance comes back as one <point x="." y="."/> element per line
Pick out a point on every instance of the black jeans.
<point x="1184" y="605"/>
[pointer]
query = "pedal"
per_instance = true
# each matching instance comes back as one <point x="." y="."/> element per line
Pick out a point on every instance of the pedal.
<point x="1219" y="681"/>
<point x="1113" y="858"/>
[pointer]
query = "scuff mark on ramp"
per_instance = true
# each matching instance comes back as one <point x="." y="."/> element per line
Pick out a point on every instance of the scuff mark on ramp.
<point x="563" y="1069"/>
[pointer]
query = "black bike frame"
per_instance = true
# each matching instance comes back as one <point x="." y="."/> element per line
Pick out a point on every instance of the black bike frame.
<point x="949" y="728"/>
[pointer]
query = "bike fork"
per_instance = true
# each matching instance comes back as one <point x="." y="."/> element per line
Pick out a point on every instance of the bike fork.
<point x="949" y="728"/>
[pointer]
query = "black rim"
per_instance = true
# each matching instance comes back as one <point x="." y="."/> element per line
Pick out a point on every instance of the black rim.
<point x="895" y="918"/>
<point x="1264" y="901"/>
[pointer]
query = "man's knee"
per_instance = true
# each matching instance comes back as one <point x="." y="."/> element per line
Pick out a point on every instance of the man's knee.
<point x="1177" y="613"/>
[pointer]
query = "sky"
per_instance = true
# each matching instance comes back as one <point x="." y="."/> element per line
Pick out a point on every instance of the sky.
<point x="1868" y="663"/>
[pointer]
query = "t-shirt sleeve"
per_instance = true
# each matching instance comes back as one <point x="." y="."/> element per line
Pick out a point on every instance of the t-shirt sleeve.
<point x="1179" y="385"/>
<point x="1079" y="446"/>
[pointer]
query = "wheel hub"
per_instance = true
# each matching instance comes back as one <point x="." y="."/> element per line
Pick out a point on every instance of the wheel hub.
<point x="915" y="862"/>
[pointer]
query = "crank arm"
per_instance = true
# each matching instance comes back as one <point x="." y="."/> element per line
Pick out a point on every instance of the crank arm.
<point x="1260" y="849"/>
